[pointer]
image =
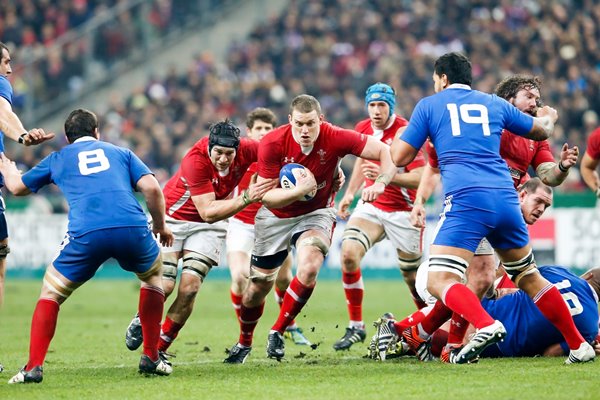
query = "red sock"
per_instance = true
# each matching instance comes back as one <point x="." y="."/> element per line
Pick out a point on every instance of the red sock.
<point x="168" y="333"/>
<point x="458" y="328"/>
<point x="151" y="304"/>
<point x="551" y="304"/>
<point x="435" y="318"/>
<point x="236" y="302"/>
<point x="354" y="290"/>
<point x="417" y="299"/>
<point x="438" y="341"/>
<point x="279" y="294"/>
<point x="248" y="320"/>
<point x="462" y="300"/>
<point x="413" y="319"/>
<point x="295" y="297"/>
<point x="43" y="325"/>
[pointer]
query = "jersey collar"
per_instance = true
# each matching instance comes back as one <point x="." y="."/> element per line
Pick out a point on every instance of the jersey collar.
<point x="85" y="139"/>
<point x="459" y="86"/>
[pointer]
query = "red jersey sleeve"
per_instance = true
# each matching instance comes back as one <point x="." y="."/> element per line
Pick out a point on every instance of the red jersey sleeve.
<point x="542" y="155"/>
<point x="269" y="153"/>
<point x="593" y="145"/>
<point x="349" y="141"/>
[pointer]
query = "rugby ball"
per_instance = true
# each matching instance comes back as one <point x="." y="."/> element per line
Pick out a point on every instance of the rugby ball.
<point x="288" y="175"/>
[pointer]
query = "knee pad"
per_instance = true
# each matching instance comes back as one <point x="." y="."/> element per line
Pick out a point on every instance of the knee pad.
<point x="270" y="261"/>
<point x="4" y="250"/>
<point x="408" y="265"/>
<point x="315" y="241"/>
<point x="156" y="268"/>
<point x="55" y="285"/>
<point x="520" y="268"/>
<point x="259" y="276"/>
<point x="197" y="264"/>
<point x="169" y="269"/>
<point x="448" y="263"/>
<point x="356" y="234"/>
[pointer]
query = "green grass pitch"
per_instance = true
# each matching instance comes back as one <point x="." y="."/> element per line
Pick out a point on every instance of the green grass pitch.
<point x="88" y="357"/>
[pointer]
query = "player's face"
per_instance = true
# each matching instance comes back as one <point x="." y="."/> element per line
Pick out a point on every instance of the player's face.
<point x="5" y="68"/>
<point x="222" y="157"/>
<point x="260" y="129"/>
<point x="305" y="127"/>
<point x="534" y="204"/>
<point x="439" y="82"/>
<point x="527" y="100"/>
<point x="379" y="113"/>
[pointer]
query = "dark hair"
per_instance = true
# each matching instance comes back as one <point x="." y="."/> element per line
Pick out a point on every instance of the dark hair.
<point x="510" y="86"/>
<point x="3" y="47"/>
<point x="223" y="133"/>
<point x="80" y="123"/>
<point x="260" y="114"/>
<point x="456" y="67"/>
<point x="305" y="103"/>
<point x="532" y="185"/>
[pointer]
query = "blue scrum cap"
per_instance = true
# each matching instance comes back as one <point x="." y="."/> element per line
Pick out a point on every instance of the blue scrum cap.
<point x="381" y="92"/>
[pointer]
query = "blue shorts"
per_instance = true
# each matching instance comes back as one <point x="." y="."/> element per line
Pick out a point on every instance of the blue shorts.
<point x="134" y="248"/>
<point x="471" y="216"/>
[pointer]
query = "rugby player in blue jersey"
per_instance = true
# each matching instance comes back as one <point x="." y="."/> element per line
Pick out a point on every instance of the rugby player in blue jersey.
<point x="105" y="220"/>
<point x="465" y="126"/>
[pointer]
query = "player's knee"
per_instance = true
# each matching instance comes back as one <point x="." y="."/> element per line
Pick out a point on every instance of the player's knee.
<point x="409" y="264"/>
<point x="4" y="250"/>
<point x="314" y="242"/>
<point x="261" y="276"/>
<point x="269" y="262"/>
<point x="55" y="288"/>
<point x="169" y="267"/>
<point x="521" y="268"/>
<point x="448" y="268"/>
<point x="197" y="265"/>
<point x="355" y="236"/>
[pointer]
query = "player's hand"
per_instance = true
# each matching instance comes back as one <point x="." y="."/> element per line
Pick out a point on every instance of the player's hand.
<point x="344" y="206"/>
<point x="370" y="170"/>
<point x="36" y="136"/>
<point x="338" y="181"/>
<point x="548" y="111"/>
<point x="417" y="216"/>
<point x="370" y="194"/>
<point x="305" y="183"/>
<point x="257" y="190"/>
<point x="164" y="234"/>
<point x="568" y="156"/>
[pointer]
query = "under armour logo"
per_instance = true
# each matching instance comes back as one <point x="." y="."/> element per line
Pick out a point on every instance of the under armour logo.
<point x="288" y="160"/>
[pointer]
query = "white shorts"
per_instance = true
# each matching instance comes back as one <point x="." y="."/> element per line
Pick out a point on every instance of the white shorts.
<point x="484" y="248"/>
<point x="274" y="234"/>
<point x="199" y="237"/>
<point x="396" y="227"/>
<point x="240" y="237"/>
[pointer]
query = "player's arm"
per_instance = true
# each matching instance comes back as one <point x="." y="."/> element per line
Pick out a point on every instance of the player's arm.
<point x="279" y="197"/>
<point x="429" y="180"/>
<point x="376" y="150"/>
<point x="213" y="210"/>
<point x="155" y="200"/>
<point x="543" y="124"/>
<point x="410" y="179"/>
<point x="589" y="173"/>
<point x="552" y="173"/>
<point x="12" y="127"/>
<point x="354" y="184"/>
<point x="12" y="177"/>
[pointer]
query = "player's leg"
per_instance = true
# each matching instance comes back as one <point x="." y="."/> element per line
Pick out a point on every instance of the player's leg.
<point x="196" y="267"/>
<point x="360" y="234"/>
<point x="282" y="282"/>
<point x="239" y="244"/>
<point x="520" y="265"/>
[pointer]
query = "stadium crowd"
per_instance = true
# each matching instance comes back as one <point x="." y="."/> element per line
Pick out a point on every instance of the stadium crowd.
<point x="334" y="50"/>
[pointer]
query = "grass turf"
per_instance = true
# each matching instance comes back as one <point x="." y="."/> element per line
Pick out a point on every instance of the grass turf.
<point x="88" y="357"/>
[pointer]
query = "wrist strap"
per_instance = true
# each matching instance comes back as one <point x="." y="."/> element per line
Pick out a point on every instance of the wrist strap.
<point x="560" y="166"/>
<point x="22" y="138"/>
<point x="246" y="198"/>
<point x="382" y="179"/>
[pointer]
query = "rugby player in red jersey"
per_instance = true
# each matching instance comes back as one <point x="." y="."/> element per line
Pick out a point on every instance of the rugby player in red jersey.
<point x="286" y="220"/>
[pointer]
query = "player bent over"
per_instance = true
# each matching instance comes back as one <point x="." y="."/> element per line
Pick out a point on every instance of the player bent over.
<point x="105" y="220"/>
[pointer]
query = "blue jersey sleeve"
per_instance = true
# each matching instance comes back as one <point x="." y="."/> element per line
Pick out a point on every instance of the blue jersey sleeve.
<point x="516" y="121"/>
<point x="418" y="128"/>
<point x="6" y="90"/>
<point x="39" y="176"/>
<point x="137" y="169"/>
